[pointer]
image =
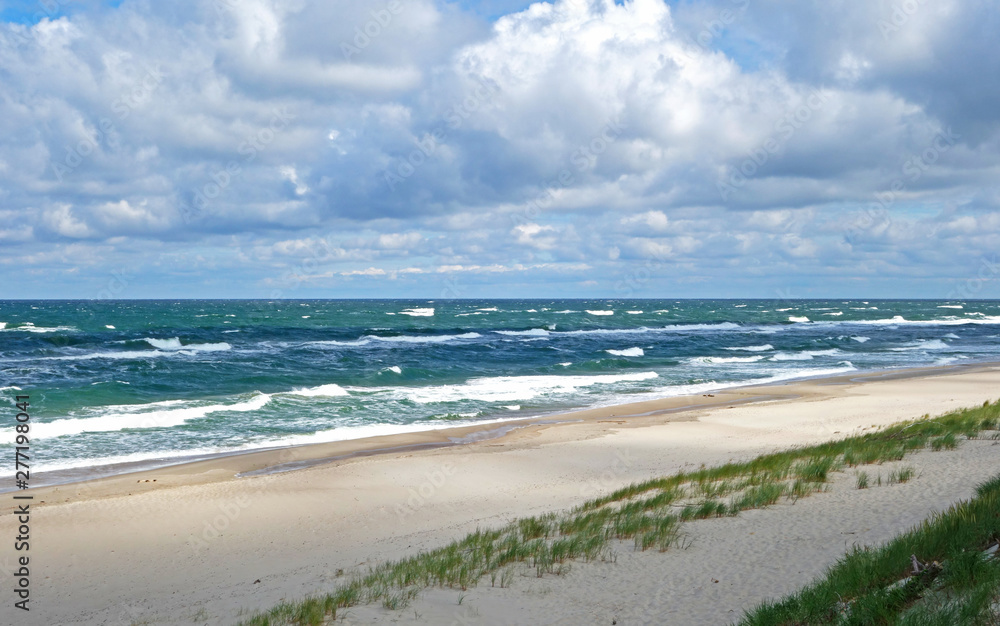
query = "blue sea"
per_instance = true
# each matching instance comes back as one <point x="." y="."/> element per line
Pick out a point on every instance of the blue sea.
<point x="151" y="381"/>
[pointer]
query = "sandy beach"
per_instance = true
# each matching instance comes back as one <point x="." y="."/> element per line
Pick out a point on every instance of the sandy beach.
<point x="196" y="544"/>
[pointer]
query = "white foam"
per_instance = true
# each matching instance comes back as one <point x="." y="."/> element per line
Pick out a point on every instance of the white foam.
<point x="951" y="336"/>
<point x="109" y="326"/>
<point x="10" y="388"/>
<point x="798" y="319"/>
<point x="645" y="329"/>
<point x="716" y="360"/>
<point x="566" y="364"/>
<point x="427" y="312"/>
<point x="805" y="355"/>
<point x="739" y="306"/>
<point x="130" y="419"/>
<point x="948" y="321"/>
<point x="489" y="309"/>
<point x="534" y="332"/>
<point x="951" y="306"/>
<point x="513" y="407"/>
<point x="394" y="368"/>
<point x="634" y="312"/>
<point x="164" y="344"/>
<point x="838" y="313"/>
<point x="175" y="344"/>
<point x="29" y="327"/>
<point x="329" y="391"/>
<point x="412" y="339"/>
<point x="422" y="339"/>
<point x="627" y="352"/>
<point x="860" y="339"/>
<point x="923" y="344"/>
<point x="763" y="348"/>
<point x="600" y="312"/>
<point x="506" y="388"/>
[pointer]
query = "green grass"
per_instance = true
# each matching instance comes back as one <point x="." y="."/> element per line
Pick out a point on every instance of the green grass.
<point x="650" y="515"/>
<point x="960" y="585"/>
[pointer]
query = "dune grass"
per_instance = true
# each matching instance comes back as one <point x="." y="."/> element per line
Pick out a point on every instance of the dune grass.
<point x="649" y="514"/>
<point x="955" y="578"/>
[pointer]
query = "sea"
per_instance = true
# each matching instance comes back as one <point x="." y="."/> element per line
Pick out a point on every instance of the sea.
<point x="155" y="382"/>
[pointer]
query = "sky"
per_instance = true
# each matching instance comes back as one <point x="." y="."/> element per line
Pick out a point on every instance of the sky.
<point x="499" y="148"/>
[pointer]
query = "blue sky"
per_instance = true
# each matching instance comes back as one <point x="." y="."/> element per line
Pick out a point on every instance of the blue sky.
<point x="591" y="148"/>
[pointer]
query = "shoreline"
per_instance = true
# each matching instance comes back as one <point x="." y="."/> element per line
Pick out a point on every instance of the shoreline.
<point x="279" y="459"/>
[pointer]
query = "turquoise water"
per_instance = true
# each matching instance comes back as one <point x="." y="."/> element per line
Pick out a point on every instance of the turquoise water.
<point x="145" y="380"/>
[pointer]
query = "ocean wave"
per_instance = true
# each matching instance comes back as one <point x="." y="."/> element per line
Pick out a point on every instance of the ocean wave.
<point x="505" y="388"/>
<point x="600" y="312"/>
<point x="175" y="344"/>
<point x="323" y="391"/>
<point x="763" y="348"/>
<point x="923" y="344"/>
<point x="131" y="419"/>
<point x="634" y="312"/>
<point x="798" y="319"/>
<point x="951" y="306"/>
<point x="427" y="312"/>
<point x="422" y="338"/>
<point x="805" y="355"/>
<point x="533" y="332"/>
<point x="367" y="339"/>
<point x="627" y="352"/>
<point x="29" y="327"/>
<point x="718" y="360"/>
<point x="646" y="329"/>
<point x="393" y="368"/>
<point x="899" y="320"/>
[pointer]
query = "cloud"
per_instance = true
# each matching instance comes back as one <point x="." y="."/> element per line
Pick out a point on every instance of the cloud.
<point x="724" y="139"/>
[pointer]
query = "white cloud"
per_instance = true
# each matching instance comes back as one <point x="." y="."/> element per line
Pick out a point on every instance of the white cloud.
<point x="576" y="132"/>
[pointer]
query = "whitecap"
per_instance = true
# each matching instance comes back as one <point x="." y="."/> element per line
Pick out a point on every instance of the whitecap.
<point x="331" y="390"/>
<point x="600" y="312"/>
<point x="426" y="312"/>
<point x="763" y="348"/>
<point x="533" y="332"/>
<point x="627" y="352"/>
<point x="719" y="360"/>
